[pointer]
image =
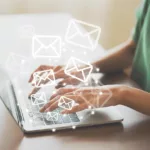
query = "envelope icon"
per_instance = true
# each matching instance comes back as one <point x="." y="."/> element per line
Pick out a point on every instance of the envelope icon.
<point x="52" y="116"/>
<point x="42" y="77"/>
<point x="17" y="63"/>
<point x="83" y="70"/>
<point x="45" y="46"/>
<point x="38" y="98"/>
<point x="100" y="95"/>
<point x="66" y="103"/>
<point x="80" y="37"/>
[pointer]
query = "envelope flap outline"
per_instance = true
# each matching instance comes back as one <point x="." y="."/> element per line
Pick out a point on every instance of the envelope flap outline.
<point x="41" y="76"/>
<point x="47" y="46"/>
<point x="84" y="72"/>
<point x="72" y="29"/>
<point x="52" y="116"/>
<point x="91" y="26"/>
<point x="46" y="75"/>
<point x="80" y="36"/>
<point x="38" y="98"/>
<point x="66" y="103"/>
<point x="77" y="64"/>
<point x="74" y="24"/>
<point x="56" y="46"/>
<point x="46" y="41"/>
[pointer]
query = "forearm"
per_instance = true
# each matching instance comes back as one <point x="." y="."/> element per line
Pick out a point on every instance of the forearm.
<point x="136" y="99"/>
<point x="117" y="59"/>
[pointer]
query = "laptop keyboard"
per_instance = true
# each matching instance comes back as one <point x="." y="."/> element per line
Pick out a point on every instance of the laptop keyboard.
<point x="43" y="119"/>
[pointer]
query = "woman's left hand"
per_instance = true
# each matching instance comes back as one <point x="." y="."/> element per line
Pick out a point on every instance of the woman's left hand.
<point x="87" y="97"/>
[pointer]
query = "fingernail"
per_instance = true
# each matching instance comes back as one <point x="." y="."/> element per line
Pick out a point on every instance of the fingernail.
<point x="42" y="109"/>
<point x="29" y="96"/>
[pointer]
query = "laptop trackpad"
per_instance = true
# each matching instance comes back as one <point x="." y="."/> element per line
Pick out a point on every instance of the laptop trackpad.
<point x="99" y="116"/>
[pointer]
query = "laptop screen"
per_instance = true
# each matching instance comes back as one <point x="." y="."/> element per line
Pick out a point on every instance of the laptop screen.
<point x="7" y="95"/>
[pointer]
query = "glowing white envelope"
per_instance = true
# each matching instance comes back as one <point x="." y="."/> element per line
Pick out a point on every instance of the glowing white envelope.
<point x="107" y="93"/>
<point x="98" y="93"/>
<point x="44" y="46"/>
<point x="27" y="31"/>
<point x="66" y="103"/>
<point x="17" y="63"/>
<point x="83" y="69"/>
<point x="52" y="116"/>
<point x="42" y="77"/>
<point x="38" y="98"/>
<point x="79" y="37"/>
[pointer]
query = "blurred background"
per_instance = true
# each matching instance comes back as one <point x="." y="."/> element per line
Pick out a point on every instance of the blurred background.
<point x="115" y="17"/>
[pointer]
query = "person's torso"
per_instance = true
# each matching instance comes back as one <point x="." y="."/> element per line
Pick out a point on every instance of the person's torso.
<point x="141" y="64"/>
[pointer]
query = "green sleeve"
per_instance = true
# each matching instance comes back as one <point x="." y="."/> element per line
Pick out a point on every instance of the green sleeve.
<point x="140" y="15"/>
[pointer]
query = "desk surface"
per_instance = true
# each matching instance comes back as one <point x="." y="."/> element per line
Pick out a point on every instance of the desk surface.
<point x="132" y="134"/>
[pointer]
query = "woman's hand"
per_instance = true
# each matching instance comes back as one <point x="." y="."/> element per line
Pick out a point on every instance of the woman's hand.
<point x="91" y="97"/>
<point x="59" y="74"/>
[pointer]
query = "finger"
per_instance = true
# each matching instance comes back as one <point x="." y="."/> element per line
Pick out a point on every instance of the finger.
<point x="53" y="104"/>
<point x="38" y="69"/>
<point x="46" y="106"/>
<point x="62" y="91"/>
<point x="67" y="81"/>
<point x="41" y="68"/>
<point x="75" y="109"/>
<point x="62" y="83"/>
<point x="43" y="82"/>
<point x="76" y="98"/>
<point x="52" y="107"/>
<point x="35" y="90"/>
<point x="60" y="74"/>
<point x="57" y="68"/>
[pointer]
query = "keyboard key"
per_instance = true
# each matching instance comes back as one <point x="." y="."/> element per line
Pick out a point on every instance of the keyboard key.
<point x="40" y="106"/>
<point x="59" y="109"/>
<point x="37" y="123"/>
<point x="47" y="122"/>
<point x="59" y="121"/>
<point x="71" y="117"/>
<point x="74" y="117"/>
<point x="37" y="120"/>
<point x="66" y="118"/>
<point x="35" y="108"/>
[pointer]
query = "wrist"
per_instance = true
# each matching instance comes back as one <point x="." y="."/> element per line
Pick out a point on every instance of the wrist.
<point x="124" y="92"/>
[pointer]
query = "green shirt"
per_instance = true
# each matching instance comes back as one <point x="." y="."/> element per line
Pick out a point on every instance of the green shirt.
<point x="141" y="36"/>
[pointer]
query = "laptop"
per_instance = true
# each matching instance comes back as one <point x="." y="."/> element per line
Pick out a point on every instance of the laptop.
<point x="14" y="95"/>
